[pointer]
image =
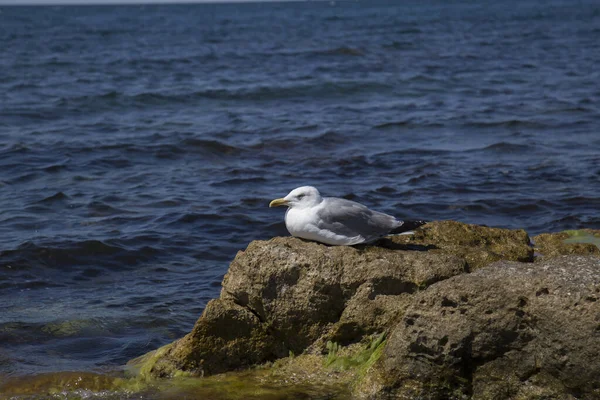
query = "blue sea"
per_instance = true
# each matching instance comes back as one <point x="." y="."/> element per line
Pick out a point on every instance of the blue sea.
<point x="140" y="145"/>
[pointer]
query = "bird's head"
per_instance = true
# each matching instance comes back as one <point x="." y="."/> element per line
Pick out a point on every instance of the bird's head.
<point x="302" y="197"/>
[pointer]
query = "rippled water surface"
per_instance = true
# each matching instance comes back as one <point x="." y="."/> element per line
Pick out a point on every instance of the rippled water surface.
<point x="141" y="145"/>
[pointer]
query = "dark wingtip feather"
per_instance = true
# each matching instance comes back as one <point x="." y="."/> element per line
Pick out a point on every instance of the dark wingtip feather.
<point x="408" y="226"/>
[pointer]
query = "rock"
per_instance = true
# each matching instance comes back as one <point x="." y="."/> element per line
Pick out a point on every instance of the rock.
<point x="581" y="242"/>
<point x="511" y="330"/>
<point x="300" y="288"/>
<point x="226" y="337"/>
<point x="283" y="295"/>
<point x="508" y="329"/>
<point x="478" y="245"/>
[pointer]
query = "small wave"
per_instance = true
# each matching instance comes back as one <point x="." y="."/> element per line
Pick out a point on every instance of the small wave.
<point x="53" y="168"/>
<point x="108" y="95"/>
<point x="167" y="152"/>
<point x="55" y="198"/>
<point x="169" y="61"/>
<point x="328" y="139"/>
<point x="254" y="201"/>
<point x="155" y="98"/>
<point x="211" y="146"/>
<point x="386" y="190"/>
<point x="582" y="201"/>
<point x="23" y="85"/>
<point x="111" y="162"/>
<point x="99" y="208"/>
<point x="568" y="109"/>
<point x="393" y="124"/>
<point x="505" y="147"/>
<point x="519" y="209"/>
<point x="411" y="153"/>
<point x="306" y="127"/>
<point x="409" y="31"/>
<point x="108" y="32"/>
<point x="510" y="123"/>
<point x="17" y="148"/>
<point x="332" y="18"/>
<point x="399" y="45"/>
<point x="26" y="177"/>
<point x="193" y="217"/>
<point x="565" y="222"/>
<point x="55" y="62"/>
<point x="419" y="179"/>
<point x="88" y="252"/>
<point x="265" y="92"/>
<point x="341" y="51"/>
<point x="38" y="115"/>
<point x="240" y="181"/>
<point x="472" y="207"/>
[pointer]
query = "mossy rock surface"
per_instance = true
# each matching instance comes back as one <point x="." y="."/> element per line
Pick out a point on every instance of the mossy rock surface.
<point x="56" y="383"/>
<point x="576" y="242"/>
<point x="508" y="331"/>
<point x="478" y="245"/>
<point x="266" y="383"/>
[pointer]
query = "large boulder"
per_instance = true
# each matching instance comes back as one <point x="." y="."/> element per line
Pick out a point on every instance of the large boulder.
<point x="300" y="289"/>
<point x="288" y="295"/>
<point x="507" y="331"/>
<point x="283" y="295"/>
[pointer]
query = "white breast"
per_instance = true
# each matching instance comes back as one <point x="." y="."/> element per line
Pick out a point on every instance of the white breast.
<point x="302" y="223"/>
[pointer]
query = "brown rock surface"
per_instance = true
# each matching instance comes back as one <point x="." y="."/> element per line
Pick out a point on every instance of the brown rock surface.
<point x="282" y="295"/>
<point x="511" y="330"/>
<point x="478" y="245"/>
<point x="300" y="289"/>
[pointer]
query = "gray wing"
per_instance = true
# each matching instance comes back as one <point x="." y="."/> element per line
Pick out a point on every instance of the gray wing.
<point x="349" y="218"/>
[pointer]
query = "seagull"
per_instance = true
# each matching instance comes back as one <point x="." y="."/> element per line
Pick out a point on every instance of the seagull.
<point x="336" y="221"/>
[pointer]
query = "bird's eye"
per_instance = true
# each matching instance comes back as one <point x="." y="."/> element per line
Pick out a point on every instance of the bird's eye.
<point x="300" y="196"/>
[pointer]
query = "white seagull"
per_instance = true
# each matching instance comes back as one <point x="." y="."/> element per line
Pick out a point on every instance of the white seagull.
<point x="336" y="221"/>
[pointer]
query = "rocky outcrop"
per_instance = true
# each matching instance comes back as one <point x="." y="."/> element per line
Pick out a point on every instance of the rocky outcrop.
<point x="458" y="322"/>
<point x="285" y="294"/>
<point x="511" y="330"/>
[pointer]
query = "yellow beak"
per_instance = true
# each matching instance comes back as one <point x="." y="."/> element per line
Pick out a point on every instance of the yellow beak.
<point x="278" y="202"/>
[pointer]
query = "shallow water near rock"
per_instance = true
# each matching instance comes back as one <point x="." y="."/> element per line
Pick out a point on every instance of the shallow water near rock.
<point x="582" y="236"/>
<point x="140" y="146"/>
<point x="251" y="385"/>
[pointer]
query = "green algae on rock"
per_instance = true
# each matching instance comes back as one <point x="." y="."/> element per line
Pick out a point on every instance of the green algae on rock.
<point x="58" y="382"/>
<point x="253" y="384"/>
<point x="578" y="242"/>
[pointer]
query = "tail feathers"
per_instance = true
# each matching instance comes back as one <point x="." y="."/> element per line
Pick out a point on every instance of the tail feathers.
<point x="408" y="226"/>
